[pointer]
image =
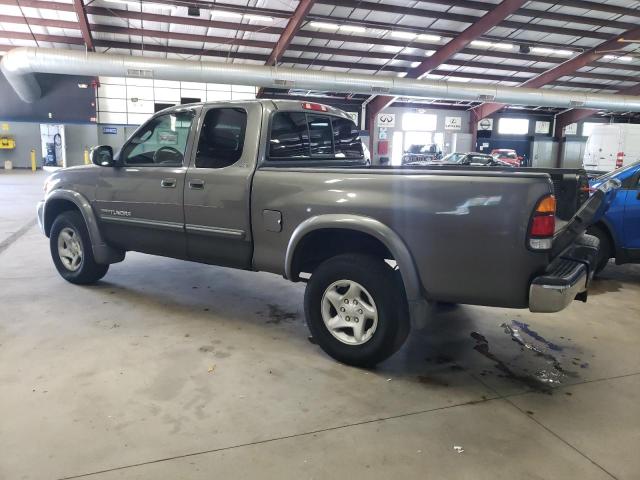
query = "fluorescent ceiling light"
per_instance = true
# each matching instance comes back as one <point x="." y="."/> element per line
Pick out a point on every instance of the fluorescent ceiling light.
<point x="481" y="43"/>
<point x="504" y="46"/>
<point x="124" y="2"/>
<point x="404" y="35"/>
<point x="428" y="53"/>
<point x="485" y="44"/>
<point x="352" y="28"/>
<point x="392" y="48"/>
<point x="545" y="51"/>
<point x="614" y="57"/>
<point x="415" y="64"/>
<point x="328" y="26"/>
<point x="550" y="51"/>
<point x="402" y="74"/>
<point x="222" y="13"/>
<point x="262" y="18"/>
<point x="430" y="38"/>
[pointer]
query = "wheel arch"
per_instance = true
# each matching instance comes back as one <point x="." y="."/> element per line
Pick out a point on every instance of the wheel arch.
<point x="384" y="236"/>
<point x="606" y="226"/>
<point x="62" y="200"/>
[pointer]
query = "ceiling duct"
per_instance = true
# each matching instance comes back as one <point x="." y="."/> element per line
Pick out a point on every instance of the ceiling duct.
<point x="20" y="64"/>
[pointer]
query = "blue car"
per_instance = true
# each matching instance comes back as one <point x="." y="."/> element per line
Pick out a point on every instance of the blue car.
<point x="619" y="229"/>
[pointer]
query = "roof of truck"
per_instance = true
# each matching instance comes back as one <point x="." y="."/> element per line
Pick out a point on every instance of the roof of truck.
<point x="286" y="105"/>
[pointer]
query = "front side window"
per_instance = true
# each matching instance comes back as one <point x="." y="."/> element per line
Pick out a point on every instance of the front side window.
<point x="221" y="138"/>
<point x="161" y="142"/>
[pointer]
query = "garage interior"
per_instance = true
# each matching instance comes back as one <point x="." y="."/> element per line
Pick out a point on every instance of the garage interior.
<point x="174" y="369"/>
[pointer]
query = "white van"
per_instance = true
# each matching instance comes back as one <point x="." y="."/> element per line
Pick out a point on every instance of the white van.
<point x="612" y="146"/>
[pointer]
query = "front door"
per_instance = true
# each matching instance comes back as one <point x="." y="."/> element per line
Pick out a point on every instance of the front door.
<point x="632" y="218"/>
<point x="140" y="202"/>
<point x="218" y="185"/>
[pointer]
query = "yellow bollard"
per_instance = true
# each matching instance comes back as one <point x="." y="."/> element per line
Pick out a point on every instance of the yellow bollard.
<point x="86" y="156"/>
<point x="33" y="160"/>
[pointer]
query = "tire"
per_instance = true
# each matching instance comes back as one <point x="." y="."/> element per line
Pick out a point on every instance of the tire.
<point x="69" y="232"/>
<point x="606" y="249"/>
<point x="357" y="283"/>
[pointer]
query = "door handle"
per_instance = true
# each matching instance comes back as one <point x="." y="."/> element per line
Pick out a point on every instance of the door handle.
<point x="168" y="183"/>
<point x="196" y="184"/>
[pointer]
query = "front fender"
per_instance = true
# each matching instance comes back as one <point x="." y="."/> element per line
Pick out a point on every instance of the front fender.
<point x="102" y="252"/>
<point x="378" y="230"/>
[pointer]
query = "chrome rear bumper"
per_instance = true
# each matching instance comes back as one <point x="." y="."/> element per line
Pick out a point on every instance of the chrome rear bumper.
<point x="567" y="278"/>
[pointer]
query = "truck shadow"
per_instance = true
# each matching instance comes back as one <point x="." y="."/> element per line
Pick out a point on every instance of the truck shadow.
<point x="614" y="277"/>
<point x="456" y="348"/>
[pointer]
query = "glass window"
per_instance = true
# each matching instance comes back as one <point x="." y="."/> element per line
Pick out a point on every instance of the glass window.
<point x="320" y="135"/>
<point x="346" y="138"/>
<point x="422" y="122"/>
<point x="289" y="136"/>
<point x="513" y="126"/>
<point x="221" y="137"/>
<point x="160" y="142"/>
<point x="587" y="127"/>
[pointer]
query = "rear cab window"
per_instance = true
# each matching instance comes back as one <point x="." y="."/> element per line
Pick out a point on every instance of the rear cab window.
<point x="313" y="139"/>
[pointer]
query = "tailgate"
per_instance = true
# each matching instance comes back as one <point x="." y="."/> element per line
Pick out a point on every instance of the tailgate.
<point x="588" y="214"/>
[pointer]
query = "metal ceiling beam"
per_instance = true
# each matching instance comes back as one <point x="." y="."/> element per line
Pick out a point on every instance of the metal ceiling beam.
<point x="147" y="33"/>
<point x="564" y="119"/>
<point x="567" y="68"/>
<point x="83" y="22"/>
<point x="294" y="24"/>
<point x="268" y="45"/>
<point x="536" y="27"/>
<point x="456" y="17"/>
<point x="583" y="4"/>
<point x="444" y="53"/>
<point x="125" y="15"/>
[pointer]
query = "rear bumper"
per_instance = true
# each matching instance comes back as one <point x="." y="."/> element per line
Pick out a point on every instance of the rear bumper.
<point x="566" y="279"/>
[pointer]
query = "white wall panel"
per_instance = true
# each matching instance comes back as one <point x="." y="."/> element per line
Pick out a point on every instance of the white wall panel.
<point x="109" y="117"/>
<point x="112" y="91"/>
<point x="112" y="105"/>
<point x="145" y="92"/>
<point x="164" y="95"/>
<point x="214" y="96"/>
<point x="138" y="118"/>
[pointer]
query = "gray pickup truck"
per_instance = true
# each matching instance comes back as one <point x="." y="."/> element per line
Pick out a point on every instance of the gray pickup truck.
<point x="282" y="187"/>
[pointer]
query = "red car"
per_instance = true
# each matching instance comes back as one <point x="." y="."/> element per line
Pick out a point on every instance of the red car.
<point x="508" y="156"/>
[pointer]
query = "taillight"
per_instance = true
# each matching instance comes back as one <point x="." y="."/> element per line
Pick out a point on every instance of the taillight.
<point x="543" y="224"/>
<point x="619" y="159"/>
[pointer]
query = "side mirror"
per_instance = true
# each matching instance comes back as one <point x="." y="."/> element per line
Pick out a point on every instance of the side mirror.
<point x="102" y="156"/>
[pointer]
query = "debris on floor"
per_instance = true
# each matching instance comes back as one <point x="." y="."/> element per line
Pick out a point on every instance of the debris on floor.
<point x="458" y="449"/>
<point x="211" y="368"/>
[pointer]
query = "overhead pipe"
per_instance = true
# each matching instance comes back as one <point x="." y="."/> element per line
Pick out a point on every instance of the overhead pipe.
<point x="20" y="64"/>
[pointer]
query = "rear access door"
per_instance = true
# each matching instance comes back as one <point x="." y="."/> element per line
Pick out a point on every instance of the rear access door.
<point x="218" y="185"/>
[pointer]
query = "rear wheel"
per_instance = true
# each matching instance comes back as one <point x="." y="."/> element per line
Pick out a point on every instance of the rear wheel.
<point x="356" y="309"/>
<point x="71" y="250"/>
<point x="606" y="248"/>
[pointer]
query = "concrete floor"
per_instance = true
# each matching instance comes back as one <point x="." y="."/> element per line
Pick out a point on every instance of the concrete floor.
<point x="169" y="369"/>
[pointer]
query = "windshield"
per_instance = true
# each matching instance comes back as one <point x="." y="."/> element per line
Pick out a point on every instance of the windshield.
<point x="613" y="173"/>
<point x="454" y="158"/>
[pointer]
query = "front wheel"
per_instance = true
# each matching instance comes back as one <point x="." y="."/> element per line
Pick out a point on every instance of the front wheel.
<point x="356" y="309"/>
<point x="71" y="250"/>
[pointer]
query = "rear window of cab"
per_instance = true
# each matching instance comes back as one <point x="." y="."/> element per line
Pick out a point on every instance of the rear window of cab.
<point x="300" y="136"/>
